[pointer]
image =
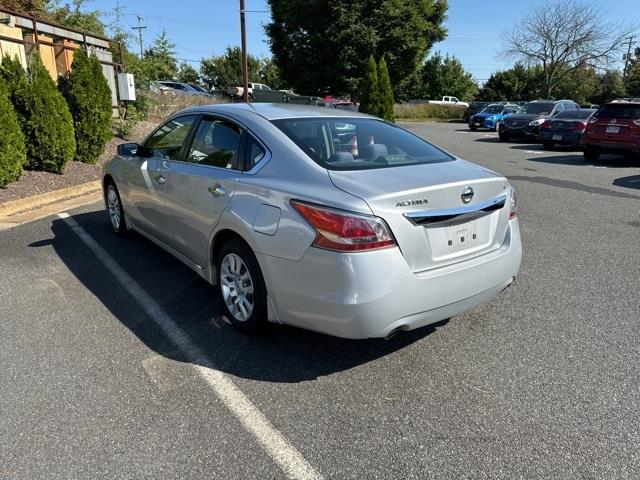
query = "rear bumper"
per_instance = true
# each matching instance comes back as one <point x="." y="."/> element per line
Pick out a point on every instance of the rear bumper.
<point x="611" y="147"/>
<point x="568" y="138"/>
<point x="372" y="294"/>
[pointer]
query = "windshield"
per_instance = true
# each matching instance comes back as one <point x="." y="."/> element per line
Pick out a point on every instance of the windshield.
<point x="537" y="108"/>
<point x="198" y="88"/>
<point x="359" y="143"/>
<point x="493" y="109"/>
<point x="619" y="110"/>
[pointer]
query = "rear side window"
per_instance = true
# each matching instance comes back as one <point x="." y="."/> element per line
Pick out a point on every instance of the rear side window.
<point x="619" y="110"/>
<point x="359" y="143"/>
<point x="216" y="143"/>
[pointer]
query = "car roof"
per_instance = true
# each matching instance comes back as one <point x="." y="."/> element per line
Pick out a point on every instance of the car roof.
<point x="275" y="111"/>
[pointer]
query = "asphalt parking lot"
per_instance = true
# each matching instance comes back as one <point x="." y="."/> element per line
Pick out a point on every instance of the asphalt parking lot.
<point x="115" y="362"/>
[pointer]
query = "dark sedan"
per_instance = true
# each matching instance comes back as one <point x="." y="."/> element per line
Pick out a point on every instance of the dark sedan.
<point x="566" y="128"/>
<point x="525" y="124"/>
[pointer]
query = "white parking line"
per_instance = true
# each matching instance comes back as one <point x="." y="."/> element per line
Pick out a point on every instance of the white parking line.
<point x="285" y="455"/>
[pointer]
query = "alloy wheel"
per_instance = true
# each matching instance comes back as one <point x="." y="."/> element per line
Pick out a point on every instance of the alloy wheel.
<point x="237" y="287"/>
<point x="113" y="203"/>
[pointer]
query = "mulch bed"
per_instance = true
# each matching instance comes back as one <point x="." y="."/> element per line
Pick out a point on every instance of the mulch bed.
<point x="33" y="183"/>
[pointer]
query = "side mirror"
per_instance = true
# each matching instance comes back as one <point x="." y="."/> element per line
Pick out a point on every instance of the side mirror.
<point x="128" y="149"/>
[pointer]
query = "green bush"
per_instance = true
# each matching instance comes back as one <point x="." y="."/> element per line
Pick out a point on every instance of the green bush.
<point x="428" y="111"/>
<point x="12" y="147"/>
<point x="14" y="75"/>
<point x="386" y="92"/>
<point x="46" y="121"/>
<point x="370" y="92"/>
<point x="89" y="98"/>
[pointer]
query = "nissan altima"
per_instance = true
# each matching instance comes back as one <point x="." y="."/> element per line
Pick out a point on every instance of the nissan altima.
<point x="324" y="219"/>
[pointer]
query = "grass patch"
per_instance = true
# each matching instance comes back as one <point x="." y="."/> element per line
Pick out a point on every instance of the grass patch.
<point x="428" y="111"/>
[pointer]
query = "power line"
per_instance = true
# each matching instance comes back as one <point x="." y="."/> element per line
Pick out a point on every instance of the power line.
<point x="140" y="27"/>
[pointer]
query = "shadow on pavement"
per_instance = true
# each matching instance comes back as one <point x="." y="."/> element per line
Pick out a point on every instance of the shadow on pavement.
<point x="632" y="181"/>
<point x="577" y="159"/>
<point x="281" y="354"/>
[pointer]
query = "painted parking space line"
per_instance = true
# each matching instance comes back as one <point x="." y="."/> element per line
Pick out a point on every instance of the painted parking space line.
<point x="285" y="455"/>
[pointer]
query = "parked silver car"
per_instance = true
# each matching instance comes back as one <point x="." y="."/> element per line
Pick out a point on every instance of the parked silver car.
<point x="320" y="218"/>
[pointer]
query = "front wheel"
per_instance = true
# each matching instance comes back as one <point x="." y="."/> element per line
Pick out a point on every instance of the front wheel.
<point x="503" y="137"/>
<point x="473" y="128"/>
<point x="242" y="286"/>
<point x="548" y="145"/>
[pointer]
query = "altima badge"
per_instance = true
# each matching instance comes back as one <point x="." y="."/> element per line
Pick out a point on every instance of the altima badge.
<point x="412" y="203"/>
<point x="467" y="195"/>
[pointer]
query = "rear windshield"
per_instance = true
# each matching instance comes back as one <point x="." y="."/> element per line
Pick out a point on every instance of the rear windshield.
<point x="577" y="114"/>
<point x="359" y="143"/>
<point x="537" y="108"/>
<point x="619" y="110"/>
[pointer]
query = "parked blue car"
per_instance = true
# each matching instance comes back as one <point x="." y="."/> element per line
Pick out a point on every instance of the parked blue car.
<point x="491" y="116"/>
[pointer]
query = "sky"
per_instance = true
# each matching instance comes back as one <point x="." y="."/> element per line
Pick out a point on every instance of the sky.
<point x="201" y="28"/>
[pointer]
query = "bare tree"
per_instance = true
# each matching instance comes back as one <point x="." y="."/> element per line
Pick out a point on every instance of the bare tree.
<point x="565" y="35"/>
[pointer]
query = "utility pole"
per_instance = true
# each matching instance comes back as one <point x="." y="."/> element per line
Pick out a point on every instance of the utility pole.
<point x="627" y="59"/>
<point x="245" y="66"/>
<point x="140" y="27"/>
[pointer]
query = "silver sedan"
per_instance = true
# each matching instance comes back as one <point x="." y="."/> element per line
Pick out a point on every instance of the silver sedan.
<point x="321" y="218"/>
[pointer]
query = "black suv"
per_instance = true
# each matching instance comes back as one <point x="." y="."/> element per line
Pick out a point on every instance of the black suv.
<point x="525" y="123"/>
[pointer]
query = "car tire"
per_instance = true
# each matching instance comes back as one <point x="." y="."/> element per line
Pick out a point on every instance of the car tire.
<point x="548" y="145"/>
<point x="472" y="128"/>
<point x="503" y="137"/>
<point x="591" y="155"/>
<point x="115" y="209"/>
<point x="241" y="286"/>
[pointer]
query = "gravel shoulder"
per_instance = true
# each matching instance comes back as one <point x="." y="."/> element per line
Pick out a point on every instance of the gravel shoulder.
<point x="35" y="182"/>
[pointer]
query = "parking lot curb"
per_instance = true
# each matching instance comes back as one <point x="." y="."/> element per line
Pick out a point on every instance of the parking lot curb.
<point x="31" y="208"/>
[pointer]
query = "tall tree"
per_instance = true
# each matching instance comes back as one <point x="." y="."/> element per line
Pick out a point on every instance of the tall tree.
<point x="223" y="71"/>
<point x="12" y="147"/>
<point x="386" y="92"/>
<point x="611" y="86"/>
<point x="515" y="84"/>
<point x="563" y="36"/>
<point x="160" y="61"/>
<point x="446" y="76"/>
<point x="75" y="14"/>
<point x="370" y="88"/>
<point x="270" y="74"/>
<point x="632" y="81"/>
<point x="187" y="74"/>
<point x="324" y="45"/>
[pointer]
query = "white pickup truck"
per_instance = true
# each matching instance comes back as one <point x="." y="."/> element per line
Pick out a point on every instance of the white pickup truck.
<point x="449" y="101"/>
<point x="237" y="91"/>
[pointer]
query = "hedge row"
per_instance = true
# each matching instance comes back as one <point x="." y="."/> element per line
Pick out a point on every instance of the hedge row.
<point x="427" y="111"/>
<point x="55" y="124"/>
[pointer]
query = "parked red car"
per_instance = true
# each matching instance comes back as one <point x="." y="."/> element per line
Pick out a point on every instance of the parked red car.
<point x="614" y="128"/>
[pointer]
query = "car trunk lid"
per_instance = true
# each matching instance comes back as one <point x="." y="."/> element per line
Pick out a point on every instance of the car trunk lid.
<point x="424" y="207"/>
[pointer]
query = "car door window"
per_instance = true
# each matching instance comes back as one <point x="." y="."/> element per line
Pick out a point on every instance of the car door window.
<point x="216" y="143"/>
<point x="167" y="141"/>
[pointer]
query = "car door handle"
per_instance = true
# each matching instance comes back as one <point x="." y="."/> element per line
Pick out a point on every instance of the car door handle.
<point x="217" y="191"/>
<point x="160" y="179"/>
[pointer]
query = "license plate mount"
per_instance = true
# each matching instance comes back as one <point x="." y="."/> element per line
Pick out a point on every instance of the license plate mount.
<point x="612" y="129"/>
<point x="557" y="138"/>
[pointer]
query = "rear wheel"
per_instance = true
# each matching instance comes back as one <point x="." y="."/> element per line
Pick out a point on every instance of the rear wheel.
<point x="242" y="286"/>
<point x="591" y="155"/>
<point x="548" y="145"/>
<point x="115" y="209"/>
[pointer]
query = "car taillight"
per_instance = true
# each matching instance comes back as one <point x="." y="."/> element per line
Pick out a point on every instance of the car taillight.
<point x="546" y="124"/>
<point x="513" y="205"/>
<point x="344" y="231"/>
<point x="593" y="120"/>
<point x="579" y="126"/>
